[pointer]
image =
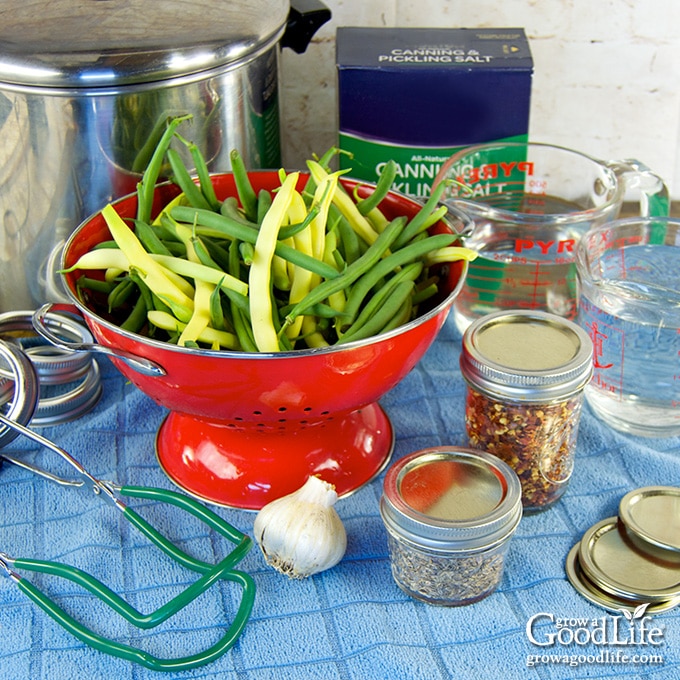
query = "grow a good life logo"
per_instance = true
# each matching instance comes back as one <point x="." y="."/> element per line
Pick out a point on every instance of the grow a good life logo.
<point x="617" y="639"/>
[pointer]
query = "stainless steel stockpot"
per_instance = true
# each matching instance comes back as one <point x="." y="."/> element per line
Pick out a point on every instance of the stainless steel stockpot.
<point x="85" y="85"/>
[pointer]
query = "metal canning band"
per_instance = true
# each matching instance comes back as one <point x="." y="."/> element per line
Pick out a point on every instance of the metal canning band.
<point x="72" y="404"/>
<point x="53" y="365"/>
<point x="56" y="366"/>
<point x="6" y="390"/>
<point x="26" y="389"/>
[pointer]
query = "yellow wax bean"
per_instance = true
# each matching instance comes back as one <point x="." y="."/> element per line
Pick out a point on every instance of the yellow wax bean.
<point x="302" y="278"/>
<point x="259" y="278"/>
<point x="345" y="205"/>
<point x="200" y="318"/>
<point x="101" y="258"/>
<point x="335" y="300"/>
<point x="450" y="254"/>
<point x="152" y="272"/>
<point x="209" y="335"/>
<point x="202" y="272"/>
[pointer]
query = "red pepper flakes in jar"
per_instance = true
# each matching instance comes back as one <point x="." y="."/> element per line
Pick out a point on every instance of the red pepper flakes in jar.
<point x="526" y="372"/>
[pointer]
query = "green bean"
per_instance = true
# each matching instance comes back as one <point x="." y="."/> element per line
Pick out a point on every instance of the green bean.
<point x="338" y="259"/>
<point x="241" y="322"/>
<point x="264" y="202"/>
<point x="165" y="234"/>
<point x="346" y="205"/>
<point x="382" y="187"/>
<point x="150" y="239"/>
<point x="422" y="294"/>
<point x="319" y="309"/>
<point x="222" y="224"/>
<point x="396" y="259"/>
<point x="94" y="284"/>
<point x="183" y="179"/>
<point x="176" y="248"/>
<point x="180" y="269"/>
<point x="247" y="252"/>
<point x="145" y="152"/>
<point x="230" y="209"/>
<point x="244" y="188"/>
<point x="402" y="316"/>
<point x="120" y="293"/>
<point x="203" y="174"/>
<point x="348" y="237"/>
<point x="204" y="256"/>
<point x="147" y="185"/>
<point x="243" y="330"/>
<point x="409" y="272"/>
<point x="144" y="290"/>
<point x="217" y="253"/>
<point x="209" y="336"/>
<point x="325" y="160"/>
<point x="422" y="219"/>
<point x="290" y="230"/>
<point x="137" y="317"/>
<point x="202" y="253"/>
<point x="383" y="314"/>
<point x="217" y="319"/>
<point x="352" y="272"/>
<point x="233" y="229"/>
<point x="159" y="305"/>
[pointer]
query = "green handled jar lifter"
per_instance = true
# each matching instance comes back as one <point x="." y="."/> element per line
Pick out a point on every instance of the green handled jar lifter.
<point x="25" y="381"/>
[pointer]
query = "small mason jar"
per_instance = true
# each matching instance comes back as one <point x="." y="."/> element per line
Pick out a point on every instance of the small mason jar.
<point x="450" y="514"/>
<point x="525" y="373"/>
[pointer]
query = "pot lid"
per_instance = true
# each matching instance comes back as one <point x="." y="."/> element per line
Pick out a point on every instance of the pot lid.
<point x="108" y="43"/>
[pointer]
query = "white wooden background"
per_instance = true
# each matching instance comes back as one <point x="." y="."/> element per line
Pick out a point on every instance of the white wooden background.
<point x="606" y="79"/>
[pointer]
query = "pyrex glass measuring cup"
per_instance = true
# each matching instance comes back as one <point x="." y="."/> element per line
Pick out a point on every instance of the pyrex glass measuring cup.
<point x="629" y="285"/>
<point x="529" y="204"/>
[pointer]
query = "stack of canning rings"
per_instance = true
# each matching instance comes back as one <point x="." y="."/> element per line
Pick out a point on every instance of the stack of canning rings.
<point x="70" y="382"/>
<point x="632" y="561"/>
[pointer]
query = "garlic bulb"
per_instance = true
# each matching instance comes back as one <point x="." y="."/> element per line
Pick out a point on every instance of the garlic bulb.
<point x="301" y="534"/>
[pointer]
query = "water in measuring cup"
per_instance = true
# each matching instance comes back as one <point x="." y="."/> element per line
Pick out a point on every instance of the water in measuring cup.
<point x="521" y="266"/>
<point x="636" y="382"/>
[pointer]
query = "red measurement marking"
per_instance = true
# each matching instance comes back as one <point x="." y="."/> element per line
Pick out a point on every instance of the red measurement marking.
<point x="535" y="303"/>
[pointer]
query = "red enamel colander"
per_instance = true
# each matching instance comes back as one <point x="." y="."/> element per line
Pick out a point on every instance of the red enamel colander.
<point x="246" y="428"/>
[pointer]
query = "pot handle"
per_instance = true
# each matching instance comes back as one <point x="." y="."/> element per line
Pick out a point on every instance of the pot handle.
<point x="304" y="20"/>
<point x="139" y="364"/>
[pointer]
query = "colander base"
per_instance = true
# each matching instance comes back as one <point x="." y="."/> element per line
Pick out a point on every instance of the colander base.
<point x="246" y="465"/>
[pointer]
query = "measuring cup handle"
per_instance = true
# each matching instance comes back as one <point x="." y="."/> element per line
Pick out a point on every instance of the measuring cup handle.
<point x="654" y="197"/>
<point x="39" y="320"/>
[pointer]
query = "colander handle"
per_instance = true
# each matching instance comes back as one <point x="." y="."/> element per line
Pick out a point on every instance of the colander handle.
<point x="139" y="364"/>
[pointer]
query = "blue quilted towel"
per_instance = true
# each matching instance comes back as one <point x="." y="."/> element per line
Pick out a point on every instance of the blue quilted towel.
<point x="351" y="622"/>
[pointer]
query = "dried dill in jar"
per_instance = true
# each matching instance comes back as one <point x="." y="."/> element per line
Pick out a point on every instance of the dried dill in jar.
<point x="450" y="514"/>
<point x="526" y="372"/>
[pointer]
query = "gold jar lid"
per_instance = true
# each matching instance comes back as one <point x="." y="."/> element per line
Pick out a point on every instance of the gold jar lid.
<point x="580" y="581"/>
<point x="618" y="566"/>
<point x="652" y="516"/>
<point x="526" y="355"/>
